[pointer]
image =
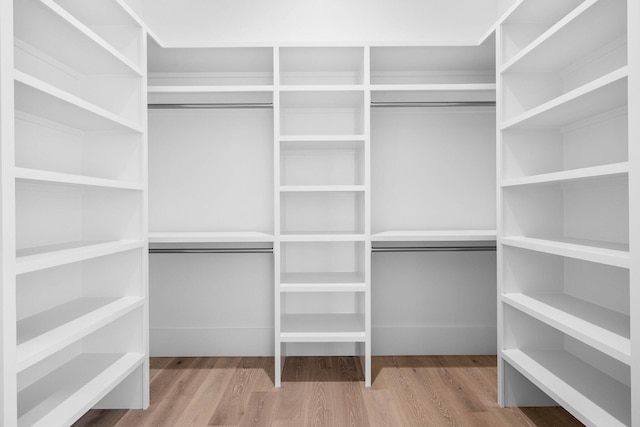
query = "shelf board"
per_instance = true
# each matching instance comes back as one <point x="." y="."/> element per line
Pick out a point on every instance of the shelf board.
<point x="601" y="95"/>
<point x="439" y="87"/>
<point x="435" y="236"/>
<point x="322" y="282"/>
<point x="590" y="395"/>
<point x="613" y="254"/>
<point x="42" y="257"/>
<point x="41" y="99"/>
<point x="208" y="89"/>
<point x="321" y="138"/>
<point x="64" y="395"/>
<point x="75" y="44"/>
<point x="56" y="178"/>
<point x="614" y="170"/>
<point x="338" y="327"/>
<point x="321" y="188"/>
<point x="209" y="237"/>
<point x="43" y="334"/>
<point x="590" y="25"/>
<point x="474" y="92"/>
<point x="603" y="329"/>
<point x="322" y="88"/>
<point x="322" y="237"/>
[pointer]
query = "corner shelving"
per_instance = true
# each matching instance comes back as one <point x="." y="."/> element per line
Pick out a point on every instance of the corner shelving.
<point x="566" y="227"/>
<point x="75" y="267"/>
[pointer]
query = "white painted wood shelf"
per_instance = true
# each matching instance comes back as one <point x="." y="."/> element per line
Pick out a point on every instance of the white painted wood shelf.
<point x="209" y="237"/>
<point x="322" y="282"/>
<point x="588" y="250"/>
<point x="39" y="258"/>
<point x="590" y="395"/>
<point x="599" y="96"/>
<point x="41" y="99"/>
<point x="72" y="37"/>
<point x="592" y="23"/>
<point x="434" y="236"/>
<point x="321" y="188"/>
<point x="322" y="88"/>
<point x="45" y="333"/>
<point x="322" y="237"/>
<point x="324" y="327"/>
<point x="610" y="171"/>
<point x="321" y="138"/>
<point x="601" y="328"/>
<point x="56" y="178"/>
<point x="64" y="395"/>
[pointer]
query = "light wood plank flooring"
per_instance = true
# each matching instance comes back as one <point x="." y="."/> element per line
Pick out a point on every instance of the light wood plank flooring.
<point x="326" y="391"/>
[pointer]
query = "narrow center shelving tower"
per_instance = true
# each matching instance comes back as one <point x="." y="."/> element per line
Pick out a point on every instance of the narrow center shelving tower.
<point x="322" y="203"/>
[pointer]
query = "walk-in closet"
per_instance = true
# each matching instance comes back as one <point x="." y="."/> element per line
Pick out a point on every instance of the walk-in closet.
<point x="330" y="213"/>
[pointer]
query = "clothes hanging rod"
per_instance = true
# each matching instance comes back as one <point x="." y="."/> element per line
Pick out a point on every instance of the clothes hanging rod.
<point x="404" y="104"/>
<point x="210" y="106"/>
<point x="434" y="249"/>
<point x="210" y="250"/>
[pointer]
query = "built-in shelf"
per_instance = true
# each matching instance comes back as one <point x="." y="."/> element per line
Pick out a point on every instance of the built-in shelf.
<point x="598" y="96"/>
<point x="433" y="93"/>
<point x="322" y="237"/>
<point x="259" y="95"/>
<point x="43" y="334"/>
<point x="39" y="258"/>
<point x="64" y="395"/>
<point x="321" y="138"/>
<point x="75" y="44"/>
<point x="57" y="178"/>
<point x="615" y="170"/>
<point x="434" y="236"/>
<point x="209" y="89"/>
<point x="321" y="188"/>
<point x="322" y="88"/>
<point x="325" y="327"/>
<point x="613" y="254"/>
<point x="601" y="328"/>
<point x="209" y="237"/>
<point x="590" y="395"/>
<point x="41" y="99"/>
<point x="591" y="24"/>
<point x="322" y="282"/>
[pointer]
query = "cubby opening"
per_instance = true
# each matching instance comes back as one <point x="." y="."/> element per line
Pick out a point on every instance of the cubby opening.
<point x="331" y="212"/>
<point x="321" y="65"/>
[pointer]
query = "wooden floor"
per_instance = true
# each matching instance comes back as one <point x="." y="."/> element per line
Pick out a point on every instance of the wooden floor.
<point x="327" y="391"/>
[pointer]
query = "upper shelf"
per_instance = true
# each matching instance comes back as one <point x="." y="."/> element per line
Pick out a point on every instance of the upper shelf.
<point x="591" y="25"/>
<point x="44" y="100"/>
<point x="56" y="178"/>
<point x="209" y="237"/>
<point x="210" y="66"/>
<point x="614" y="170"/>
<point x="435" y="236"/>
<point x="74" y="44"/>
<point x="261" y="94"/>
<point x="429" y="65"/>
<point x="601" y="95"/>
<point x="445" y="92"/>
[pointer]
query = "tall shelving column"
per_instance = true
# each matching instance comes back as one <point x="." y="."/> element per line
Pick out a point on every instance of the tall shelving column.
<point x="568" y="209"/>
<point x="321" y="203"/>
<point x="74" y="316"/>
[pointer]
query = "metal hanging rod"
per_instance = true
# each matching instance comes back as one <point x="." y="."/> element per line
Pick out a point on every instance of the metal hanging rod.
<point x="210" y="106"/>
<point x="404" y="104"/>
<point x="434" y="249"/>
<point x="210" y="250"/>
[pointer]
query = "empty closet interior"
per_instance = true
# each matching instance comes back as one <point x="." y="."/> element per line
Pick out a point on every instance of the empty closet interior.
<point x="297" y="189"/>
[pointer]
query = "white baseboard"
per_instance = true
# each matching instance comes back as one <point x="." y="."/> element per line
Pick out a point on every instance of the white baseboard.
<point x="386" y="340"/>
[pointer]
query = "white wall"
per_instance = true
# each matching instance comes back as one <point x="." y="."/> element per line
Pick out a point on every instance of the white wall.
<point x="181" y="22"/>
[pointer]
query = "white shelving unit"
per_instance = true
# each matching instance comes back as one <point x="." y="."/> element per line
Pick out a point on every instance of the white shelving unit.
<point x="74" y="266"/>
<point x="322" y="282"/>
<point x="567" y="208"/>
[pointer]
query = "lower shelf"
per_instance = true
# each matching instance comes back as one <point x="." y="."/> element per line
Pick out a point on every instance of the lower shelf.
<point x="338" y="327"/>
<point x="590" y="395"/>
<point x="63" y="396"/>
<point x="322" y="282"/>
<point x="41" y="335"/>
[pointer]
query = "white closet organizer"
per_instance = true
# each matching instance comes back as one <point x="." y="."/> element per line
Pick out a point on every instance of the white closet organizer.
<point x="568" y="208"/>
<point x="74" y="314"/>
